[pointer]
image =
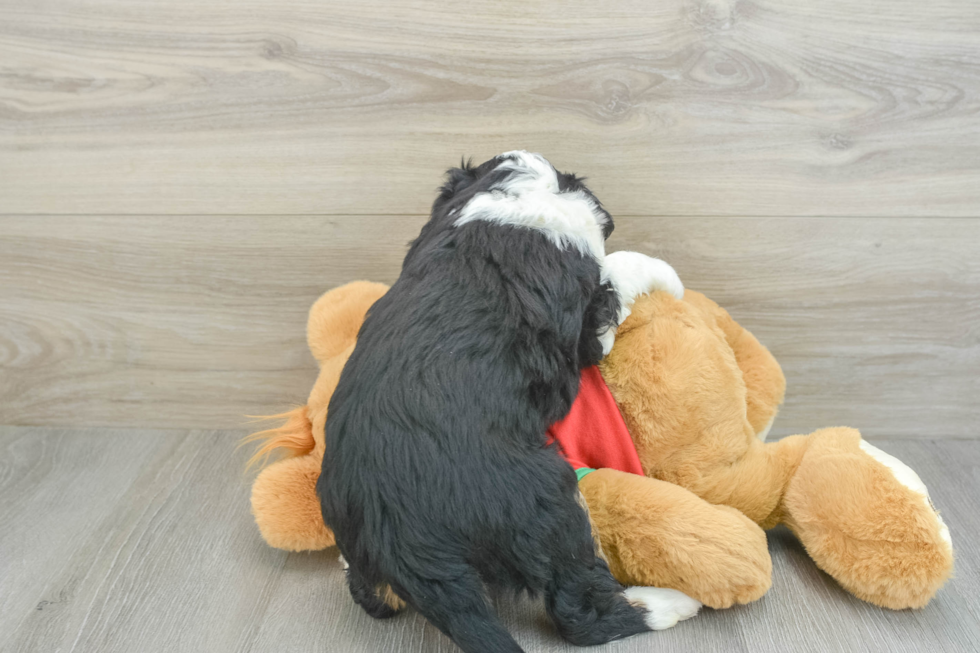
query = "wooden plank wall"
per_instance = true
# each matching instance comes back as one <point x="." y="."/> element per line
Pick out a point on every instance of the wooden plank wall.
<point x="179" y="181"/>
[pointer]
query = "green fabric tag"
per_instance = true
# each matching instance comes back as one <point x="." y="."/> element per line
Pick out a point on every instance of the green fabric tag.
<point x="582" y="472"/>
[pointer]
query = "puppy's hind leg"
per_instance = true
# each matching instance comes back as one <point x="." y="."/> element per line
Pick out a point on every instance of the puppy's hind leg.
<point x="460" y="609"/>
<point x="378" y="601"/>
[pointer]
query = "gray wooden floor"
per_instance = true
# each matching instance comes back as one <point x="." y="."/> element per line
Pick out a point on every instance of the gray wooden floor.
<point x="141" y="541"/>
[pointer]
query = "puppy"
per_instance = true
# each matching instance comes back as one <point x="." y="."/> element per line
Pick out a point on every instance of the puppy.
<point x="437" y="480"/>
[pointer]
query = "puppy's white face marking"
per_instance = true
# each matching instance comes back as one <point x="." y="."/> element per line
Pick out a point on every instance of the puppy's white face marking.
<point x="530" y="198"/>
<point x="533" y="173"/>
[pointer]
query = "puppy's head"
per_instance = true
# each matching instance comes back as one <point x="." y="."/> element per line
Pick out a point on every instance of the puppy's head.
<point x="523" y="189"/>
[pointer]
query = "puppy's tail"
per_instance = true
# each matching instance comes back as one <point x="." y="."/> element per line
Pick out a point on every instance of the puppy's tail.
<point x="459" y="607"/>
<point x="294" y="437"/>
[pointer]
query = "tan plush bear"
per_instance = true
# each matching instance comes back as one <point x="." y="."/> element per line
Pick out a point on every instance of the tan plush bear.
<point x="698" y="394"/>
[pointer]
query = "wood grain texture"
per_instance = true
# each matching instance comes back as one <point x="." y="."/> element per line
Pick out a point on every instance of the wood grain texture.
<point x="176" y="321"/>
<point x="679" y="107"/>
<point x="119" y="541"/>
<point x="198" y="321"/>
<point x="874" y="321"/>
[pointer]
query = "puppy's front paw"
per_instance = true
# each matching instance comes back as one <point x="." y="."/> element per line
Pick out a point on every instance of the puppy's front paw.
<point x="665" y="607"/>
<point x="607" y="339"/>
<point x="633" y="274"/>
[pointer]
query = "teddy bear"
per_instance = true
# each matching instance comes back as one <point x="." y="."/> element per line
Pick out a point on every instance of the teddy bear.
<point x="697" y="395"/>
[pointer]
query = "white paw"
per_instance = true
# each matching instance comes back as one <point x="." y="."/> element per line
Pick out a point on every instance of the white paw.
<point x="633" y="274"/>
<point x="665" y="607"/>
<point x="343" y="562"/>
<point x="607" y="339"/>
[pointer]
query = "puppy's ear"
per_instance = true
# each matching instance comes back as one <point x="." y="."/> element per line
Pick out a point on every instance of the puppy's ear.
<point x="457" y="179"/>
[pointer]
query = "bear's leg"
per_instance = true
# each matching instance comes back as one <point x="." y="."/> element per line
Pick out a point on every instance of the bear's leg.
<point x="658" y="534"/>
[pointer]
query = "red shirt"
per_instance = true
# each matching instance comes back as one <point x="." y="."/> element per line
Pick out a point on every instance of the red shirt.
<point x="594" y="435"/>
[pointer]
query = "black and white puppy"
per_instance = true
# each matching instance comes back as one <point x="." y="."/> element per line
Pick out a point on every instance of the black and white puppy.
<point x="437" y="479"/>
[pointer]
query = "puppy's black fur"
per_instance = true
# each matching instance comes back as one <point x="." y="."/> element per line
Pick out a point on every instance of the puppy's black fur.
<point x="437" y="478"/>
